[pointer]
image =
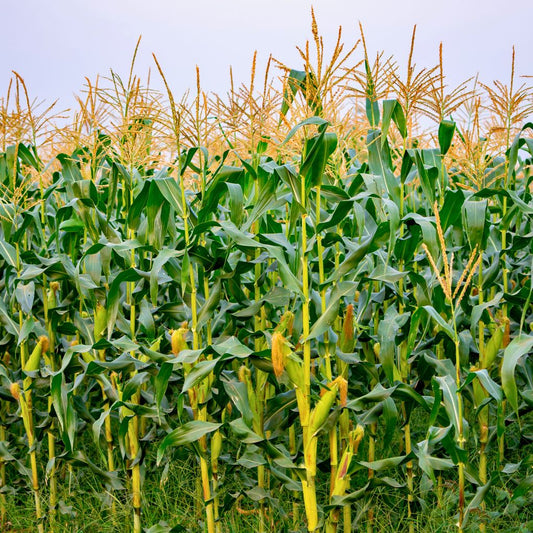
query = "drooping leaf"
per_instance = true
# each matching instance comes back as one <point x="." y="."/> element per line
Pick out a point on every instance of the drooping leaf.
<point x="185" y="434"/>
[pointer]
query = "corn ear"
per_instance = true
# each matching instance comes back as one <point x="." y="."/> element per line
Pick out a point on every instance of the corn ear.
<point x="320" y="412"/>
<point x="216" y="445"/>
<point x="343" y="390"/>
<point x="52" y="295"/>
<point x="14" y="389"/>
<point x="34" y="361"/>
<point x="294" y="369"/>
<point x="479" y="392"/>
<point x="492" y="347"/>
<point x="506" y="332"/>
<point x="245" y="376"/>
<point x="178" y="339"/>
<point x="377" y="349"/>
<point x="279" y="353"/>
<point x="342" y="480"/>
<point x="356" y="436"/>
<point x="285" y="324"/>
<point x="100" y="321"/>
<point x="347" y="337"/>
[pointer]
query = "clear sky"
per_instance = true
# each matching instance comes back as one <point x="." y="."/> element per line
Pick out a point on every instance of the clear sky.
<point x="54" y="44"/>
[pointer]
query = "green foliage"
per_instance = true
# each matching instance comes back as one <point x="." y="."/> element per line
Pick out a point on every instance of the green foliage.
<point x="180" y="363"/>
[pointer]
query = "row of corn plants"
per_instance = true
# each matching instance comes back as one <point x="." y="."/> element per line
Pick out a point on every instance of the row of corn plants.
<point x="319" y="331"/>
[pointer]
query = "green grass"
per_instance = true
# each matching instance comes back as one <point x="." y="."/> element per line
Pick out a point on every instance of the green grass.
<point x="176" y="502"/>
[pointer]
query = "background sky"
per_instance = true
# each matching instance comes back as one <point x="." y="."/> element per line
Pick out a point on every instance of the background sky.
<point x="55" y="44"/>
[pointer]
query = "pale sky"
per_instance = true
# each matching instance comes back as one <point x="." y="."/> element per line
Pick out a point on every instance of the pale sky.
<point x="55" y="44"/>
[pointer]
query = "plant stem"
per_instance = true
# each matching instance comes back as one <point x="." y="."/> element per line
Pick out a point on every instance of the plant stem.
<point x="484" y="414"/>
<point x="460" y="436"/>
<point x="27" y="417"/>
<point x="309" y="442"/>
<point x="2" y="479"/>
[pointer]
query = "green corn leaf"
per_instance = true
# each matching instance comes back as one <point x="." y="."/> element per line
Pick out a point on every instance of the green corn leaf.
<point x="171" y="192"/>
<point x="158" y="263"/>
<point x="513" y="151"/>
<point x="432" y="312"/>
<point x="317" y="151"/>
<point x="450" y="399"/>
<point x="295" y="83"/>
<point x="428" y="177"/>
<point x="476" y="501"/>
<point x="161" y="383"/>
<point x="185" y="434"/>
<point x="332" y="310"/>
<point x="232" y="347"/>
<point x="200" y="371"/>
<point x="238" y="394"/>
<point x="9" y="253"/>
<point x="429" y="463"/>
<point x="64" y="410"/>
<point x="520" y="346"/>
<point x="207" y="310"/>
<point x="384" y="464"/>
<point x="236" y="203"/>
<point x="114" y="295"/>
<point x="25" y="294"/>
<point x="474" y="218"/>
<point x="392" y="110"/>
<point x="446" y="132"/>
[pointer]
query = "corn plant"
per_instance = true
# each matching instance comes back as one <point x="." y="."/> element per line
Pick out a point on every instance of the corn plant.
<point x="317" y="306"/>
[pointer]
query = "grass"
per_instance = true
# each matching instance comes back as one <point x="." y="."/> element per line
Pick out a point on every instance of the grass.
<point x="172" y="499"/>
<point x="176" y="502"/>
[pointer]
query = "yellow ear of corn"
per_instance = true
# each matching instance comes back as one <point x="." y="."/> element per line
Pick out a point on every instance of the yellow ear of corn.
<point x="342" y="480"/>
<point x="279" y="353"/>
<point x="492" y="347"/>
<point x="321" y="410"/>
<point x="14" y="389"/>
<point x="178" y="340"/>
<point x="506" y="332"/>
<point x="52" y="295"/>
<point x="54" y="286"/>
<point x="245" y="376"/>
<point x="377" y="349"/>
<point x="294" y="369"/>
<point x="343" y="390"/>
<point x="34" y="360"/>
<point x="286" y="323"/>
<point x="347" y="337"/>
<point x="479" y="392"/>
<point x="216" y="445"/>
<point x="356" y="436"/>
<point x="100" y="321"/>
<point x="24" y="413"/>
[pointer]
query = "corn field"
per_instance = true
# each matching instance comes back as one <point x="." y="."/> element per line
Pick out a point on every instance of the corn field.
<point x="316" y="294"/>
